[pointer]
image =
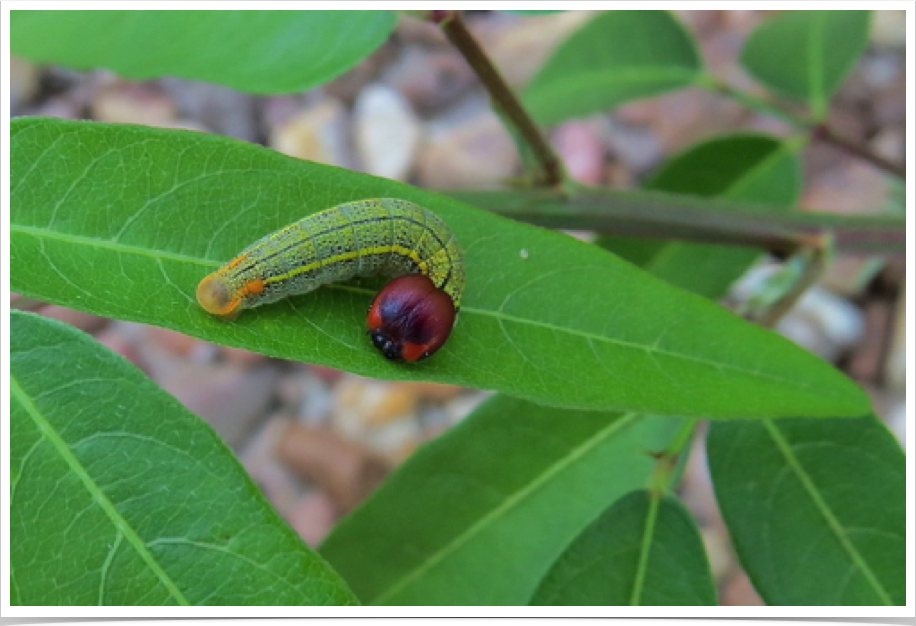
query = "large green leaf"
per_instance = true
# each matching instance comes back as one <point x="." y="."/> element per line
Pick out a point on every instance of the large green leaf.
<point x="807" y="54"/>
<point x="119" y="496"/>
<point x="254" y="51"/>
<point x="478" y="515"/>
<point x="816" y="508"/>
<point x="644" y="550"/>
<point x="745" y="167"/>
<point x="124" y="221"/>
<point x="618" y="56"/>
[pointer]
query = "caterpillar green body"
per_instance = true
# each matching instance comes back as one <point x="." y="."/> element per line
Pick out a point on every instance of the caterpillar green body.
<point x="383" y="236"/>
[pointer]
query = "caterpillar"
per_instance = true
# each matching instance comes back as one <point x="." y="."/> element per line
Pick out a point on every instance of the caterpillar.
<point x="409" y="319"/>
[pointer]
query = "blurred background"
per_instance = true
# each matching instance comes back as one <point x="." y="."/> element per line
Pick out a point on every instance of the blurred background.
<point x="318" y="440"/>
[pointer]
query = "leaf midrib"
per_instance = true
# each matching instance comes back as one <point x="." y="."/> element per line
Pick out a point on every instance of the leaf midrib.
<point x="642" y="565"/>
<point x="559" y="88"/>
<point x="824" y="509"/>
<point x="120" y="524"/>
<point x="499" y="315"/>
<point x="509" y="503"/>
<point x="815" y="65"/>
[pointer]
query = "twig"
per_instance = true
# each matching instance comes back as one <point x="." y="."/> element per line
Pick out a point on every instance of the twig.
<point x="780" y="230"/>
<point x="457" y="32"/>
<point x="818" y="131"/>
<point x="828" y="135"/>
<point x="814" y="255"/>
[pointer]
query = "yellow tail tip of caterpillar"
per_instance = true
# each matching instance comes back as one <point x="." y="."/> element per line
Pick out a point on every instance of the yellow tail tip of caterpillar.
<point x="216" y="298"/>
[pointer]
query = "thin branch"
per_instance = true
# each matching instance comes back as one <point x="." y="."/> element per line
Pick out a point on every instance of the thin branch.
<point x="781" y="230"/>
<point x="829" y="135"/>
<point x="814" y="257"/>
<point x="818" y="131"/>
<point x="457" y="32"/>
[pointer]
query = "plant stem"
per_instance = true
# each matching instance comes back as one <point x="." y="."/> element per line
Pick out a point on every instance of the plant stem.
<point x="814" y="255"/>
<point x="828" y="135"/>
<point x="665" y="473"/>
<point x="820" y="131"/>
<point x="455" y="28"/>
<point x="719" y="86"/>
<point x="780" y="230"/>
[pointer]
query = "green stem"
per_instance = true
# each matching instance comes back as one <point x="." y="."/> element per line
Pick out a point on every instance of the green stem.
<point x="814" y="258"/>
<point x="828" y="135"/>
<point x="817" y="128"/>
<point x="666" y="473"/>
<point x="781" y="230"/>
<point x="717" y="85"/>
<point x="454" y="27"/>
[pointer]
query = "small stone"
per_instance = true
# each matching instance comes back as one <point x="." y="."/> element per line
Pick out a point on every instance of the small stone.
<point x="896" y="421"/>
<point x="578" y="144"/>
<point x="637" y="147"/>
<point x="865" y="364"/>
<point x="470" y="154"/>
<point x="258" y="455"/>
<point x="895" y="368"/>
<point x="739" y="591"/>
<point x="846" y="276"/>
<point x="429" y="80"/>
<point x="363" y="403"/>
<point x="327" y="374"/>
<point x="80" y="319"/>
<point x="890" y="143"/>
<point x="242" y="357"/>
<point x="224" y="110"/>
<point x="889" y="106"/>
<point x="23" y="82"/>
<point x="852" y="187"/>
<point x="133" y="103"/>
<point x="387" y="132"/>
<point x="172" y="341"/>
<point x="62" y="107"/>
<point x="307" y="396"/>
<point x="804" y="334"/>
<point x="463" y="405"/>
<point x="432" y="392"/>
<point x="395" y="441"/>
<point x="718" y="550"/>
<point x="114" y="340"/>
<point x="313" y="517"/>
<point x="317" y="134"/>
<point x="347" y="471"/>
<point x="888" y="28"/>
<point x="820" y="321"/>
<point x="837" y="318"/>
<point x="230" y="398"/>
<point x="690" y="115"/>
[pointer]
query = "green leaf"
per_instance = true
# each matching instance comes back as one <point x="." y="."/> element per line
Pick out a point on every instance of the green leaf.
<point x="616" y="57"/>
<point x="642" y="551"/>
<point x="478" y="515"/>
<point x="119" y="496"/>
<point x="124" y="221"/>
<point x="743" y="167"/>
<point x="254" y="51"/>
<point x="807" y="54"/>
<point x="816" y="508"/>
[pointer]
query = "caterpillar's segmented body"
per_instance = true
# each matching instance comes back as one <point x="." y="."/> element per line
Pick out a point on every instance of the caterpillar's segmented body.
<point x="384" y="236"/>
